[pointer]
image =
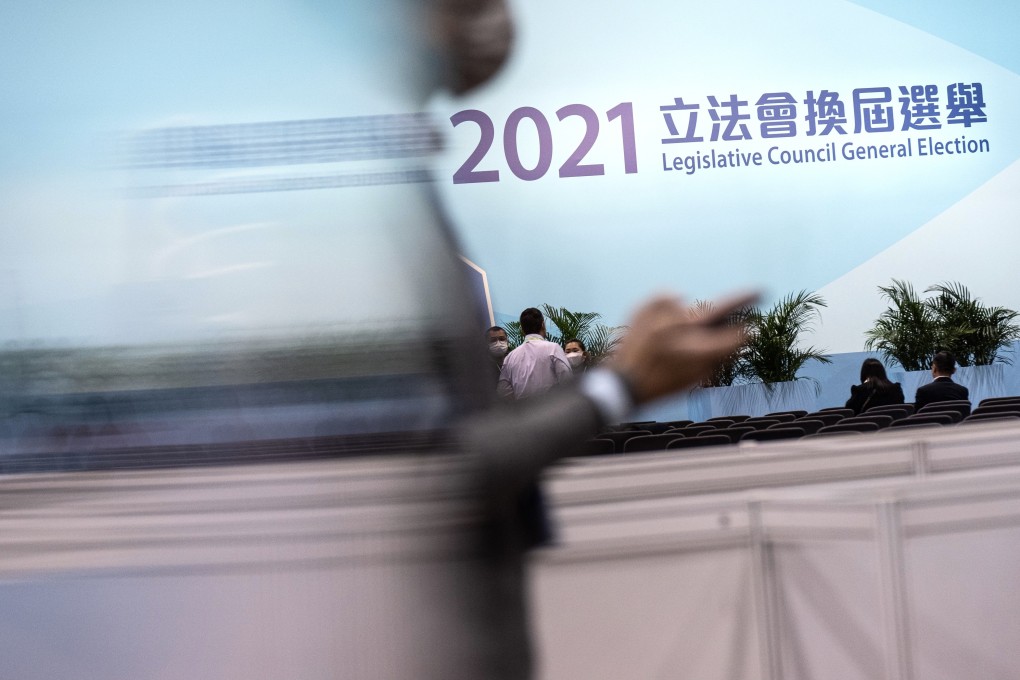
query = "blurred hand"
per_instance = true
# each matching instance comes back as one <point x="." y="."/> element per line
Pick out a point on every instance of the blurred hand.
<point x="670" y="346"/>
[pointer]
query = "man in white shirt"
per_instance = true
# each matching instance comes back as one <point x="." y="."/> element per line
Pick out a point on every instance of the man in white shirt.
<point x="537" y="365"/>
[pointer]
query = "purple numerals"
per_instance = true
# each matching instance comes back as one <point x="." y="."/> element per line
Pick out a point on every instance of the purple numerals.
<point x="573" y="166"/>
<point x="466" y="174"/>
<point x="528" y="117"/>
<point x="513" y="159"/>
<point x="625" y="112"/>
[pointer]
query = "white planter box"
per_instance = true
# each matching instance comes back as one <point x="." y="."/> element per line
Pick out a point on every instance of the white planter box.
<point x="754" y="400"/>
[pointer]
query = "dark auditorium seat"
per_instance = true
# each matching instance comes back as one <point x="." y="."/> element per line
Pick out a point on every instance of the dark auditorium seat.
<point x="657" y="428"/>
<point x="996" y="408"/>
<point x="704" y="440"/>
<point x="786" y="415"/>
<point x="925" y="418"/>
<point x="735" y="419"/>
<point x="829" y="418"/>
<point x="774" y="433"/>
<point x="760" y="423"/>
<point x="717" y="423"/>
<point x="960" y="406"/>
<point x="897" y="411"/>
<point x="695" y="430"/>
<point x="846" y="412"/>
<point x="635" y="425"/>
<point x="809" y="425"/>
<point x="598" y="447"/>
<point x="734" y="433"/>
<point x="881" y="419"/>
<point x="998" y="401"/>
<point x="679" y="423"/>
<point x="850" y="427"/>
<point x="981" y="417"/>
<point x="652" y="442"/>
<point x="619" y="438"/>
<point x="952" y="411"/>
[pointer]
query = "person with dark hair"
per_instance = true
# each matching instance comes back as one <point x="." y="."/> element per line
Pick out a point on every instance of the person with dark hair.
<point x="532" y="322"/>
<point x="498" y="346"/>
<point x="875" y="388"/>
<point x="537" y="365"/>
<point x="577" y="355"/>
<point x="942" y="388"/>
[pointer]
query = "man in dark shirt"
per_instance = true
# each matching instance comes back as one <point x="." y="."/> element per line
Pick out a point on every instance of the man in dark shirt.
<point x="942" y="388"/>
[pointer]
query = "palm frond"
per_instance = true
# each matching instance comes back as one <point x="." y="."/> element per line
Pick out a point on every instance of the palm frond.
<point x="772" y="353"/>
<point x="908" y="331"/>
<point x="602" y="341"/>
<point x="568" y="324"/>
<point x="970" y="330"/>
<point x="514" y="334"/>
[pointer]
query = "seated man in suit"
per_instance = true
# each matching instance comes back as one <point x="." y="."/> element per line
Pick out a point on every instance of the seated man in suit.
<point x="942" y="388"/>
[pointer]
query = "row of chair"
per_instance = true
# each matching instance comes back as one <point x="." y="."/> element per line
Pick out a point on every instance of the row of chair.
<point x="795" y="424"/>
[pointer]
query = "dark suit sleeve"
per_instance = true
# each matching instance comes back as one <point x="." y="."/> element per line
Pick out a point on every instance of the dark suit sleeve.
<point x="858" y="395"/>
<point x="919" y="400"/>
<point x="509" y="446"/>
<point x="898" y="394"/>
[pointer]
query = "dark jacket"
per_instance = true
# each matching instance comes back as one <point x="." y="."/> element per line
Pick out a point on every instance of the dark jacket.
<point x="940" y="389"/>
<point x="869" y="394"/>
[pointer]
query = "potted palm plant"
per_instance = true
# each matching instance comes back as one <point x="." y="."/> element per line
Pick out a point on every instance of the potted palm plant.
<point x="975" y="333"/>
<point x="773" y="353"/>
<point x="908" y="331"/>
<point x="764" y="373"/>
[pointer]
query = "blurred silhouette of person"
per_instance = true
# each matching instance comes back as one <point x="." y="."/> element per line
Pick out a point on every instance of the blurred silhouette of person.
<point x="669" y="347"/>
<point x="537" y="365"/>
<point x="577" y="356"/>
<point x="942" y="387"/>
<point x="875" y="389"/>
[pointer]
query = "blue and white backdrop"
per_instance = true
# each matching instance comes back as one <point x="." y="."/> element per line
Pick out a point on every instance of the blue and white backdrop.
<point x="703" y="147"/>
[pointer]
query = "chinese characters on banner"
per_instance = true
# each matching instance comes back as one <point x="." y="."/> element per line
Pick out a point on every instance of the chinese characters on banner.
<point x="872" y="109"/>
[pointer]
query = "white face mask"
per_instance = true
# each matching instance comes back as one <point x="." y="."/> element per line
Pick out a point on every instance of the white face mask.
<point x="576" y="359"/>
<point x="498" y="348"/>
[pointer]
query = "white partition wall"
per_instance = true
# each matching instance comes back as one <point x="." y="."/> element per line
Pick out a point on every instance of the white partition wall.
<point x="316" y="571"/>
<point x="878" y="556"/>
<point x="923" y="592"/>
<point x="649" y="613"/>
<point x="836" y="575"/>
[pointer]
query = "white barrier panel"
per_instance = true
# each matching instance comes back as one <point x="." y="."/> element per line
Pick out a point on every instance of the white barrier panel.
<point x="899" y="577"/>
<point x="335" y="570"/>
<point x="909" y="582"/>
<point x="883" y="556"/>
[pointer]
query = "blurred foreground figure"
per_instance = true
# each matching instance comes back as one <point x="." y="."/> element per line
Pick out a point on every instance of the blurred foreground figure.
<point x="667" y="349"/>
<point x="264" y="277"/>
